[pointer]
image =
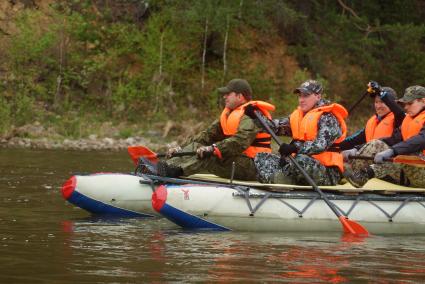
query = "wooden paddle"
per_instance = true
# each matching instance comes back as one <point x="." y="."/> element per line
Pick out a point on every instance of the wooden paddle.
<point x="400" y="159"/>
<point x="137" y="152"/>
<point x="349" y="226"/>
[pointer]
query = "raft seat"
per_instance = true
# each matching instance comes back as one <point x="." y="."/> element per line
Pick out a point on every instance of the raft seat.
<point x="373" y="185"/>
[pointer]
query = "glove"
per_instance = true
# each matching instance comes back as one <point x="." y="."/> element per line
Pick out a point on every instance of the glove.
<point x="383" y="156"/>
<point x="171" y="151"/>
<point x="287" y="149"/>
<point x="250" y="111"/>
<point x="373" y="88"/>
<point x="347" y="154"/>
<point x="204" y="152"/>
<point x="282" y="162"/>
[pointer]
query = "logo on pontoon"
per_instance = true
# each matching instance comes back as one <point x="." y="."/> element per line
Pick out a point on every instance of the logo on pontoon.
<point x="186" y="194"/>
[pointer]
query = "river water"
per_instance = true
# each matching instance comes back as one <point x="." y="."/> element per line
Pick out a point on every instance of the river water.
<point x="43" y="239"/>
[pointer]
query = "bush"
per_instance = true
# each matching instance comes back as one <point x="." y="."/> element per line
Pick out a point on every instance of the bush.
<point x="123" y="62"/>
<point x="4" y="116"/>
<point x="23" y="110"/>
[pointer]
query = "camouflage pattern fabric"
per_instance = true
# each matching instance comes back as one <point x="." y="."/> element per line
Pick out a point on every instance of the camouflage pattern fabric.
<point x="415" y="175"/>
<point x="412" y="93"/>
<point x="231" y="149"/>
<point x="328" y="131"/>
<point x="282" y="126"/>
<point x="244" y="166"/>
<point x="272" y="169"/>
<point x="386" y="171"/>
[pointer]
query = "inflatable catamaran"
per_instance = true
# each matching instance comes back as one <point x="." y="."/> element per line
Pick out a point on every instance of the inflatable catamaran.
<point x="211" y="203"/>
<point x="112" y="194"/>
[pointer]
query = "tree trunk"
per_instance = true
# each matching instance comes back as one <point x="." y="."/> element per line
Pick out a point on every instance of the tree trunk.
<point x="240" y="9"/>
<point x="159" y="79"/>
<point x="225" y="49"/>
<point x="204" y="53"/>
<point x="58" y="95"/>
<point x="161" y="47"/>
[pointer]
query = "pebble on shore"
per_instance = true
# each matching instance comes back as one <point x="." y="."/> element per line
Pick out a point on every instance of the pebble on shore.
<point x="91" y="143"/>
<point x="37" y="136"/>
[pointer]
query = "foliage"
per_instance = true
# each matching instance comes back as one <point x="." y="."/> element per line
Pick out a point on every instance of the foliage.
<point x="4" y="116"/>
<point x="380" y="42"/>
<point x="145" y="60"/>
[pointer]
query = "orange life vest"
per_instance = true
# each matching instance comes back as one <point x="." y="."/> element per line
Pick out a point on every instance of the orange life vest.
<point x="230" y="119"/>
<point x="411" y="126"/>
<point x="376" y="129"/>
<point x="304" y="128"/>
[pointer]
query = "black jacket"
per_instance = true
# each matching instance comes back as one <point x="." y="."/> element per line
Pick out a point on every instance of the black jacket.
<point x="359" y="138"/>
<point x="414" y="144"/>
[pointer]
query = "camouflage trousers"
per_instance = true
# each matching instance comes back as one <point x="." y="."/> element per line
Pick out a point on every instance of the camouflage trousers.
<point x="244" y="166"/>
<point x="272" y="169"/>
<point x="386" y="171"/>
<point x="414" y="175"/>
<point x="400" y="173"/>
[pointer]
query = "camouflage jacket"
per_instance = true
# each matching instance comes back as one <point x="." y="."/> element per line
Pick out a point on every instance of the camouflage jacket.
<point x="328" y="131"/>
<point x="229" y="146"/>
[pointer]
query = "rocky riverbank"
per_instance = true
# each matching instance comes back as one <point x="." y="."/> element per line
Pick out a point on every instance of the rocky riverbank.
<point x="38" y="136"/>
<point x="91" y="143"/>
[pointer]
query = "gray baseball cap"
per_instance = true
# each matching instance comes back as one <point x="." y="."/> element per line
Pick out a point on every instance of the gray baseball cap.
<point x="309" y="87"/>
<point x="412" y="93"/>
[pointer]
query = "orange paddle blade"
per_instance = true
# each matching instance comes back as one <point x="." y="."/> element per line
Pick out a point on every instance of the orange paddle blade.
<point x="136" y="152"/>
<point x="410" y="160"/>
<point x="352" y="227"/>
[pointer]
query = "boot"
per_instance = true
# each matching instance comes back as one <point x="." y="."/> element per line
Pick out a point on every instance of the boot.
<point x="146" y="166"/>
<point x="281" y="178"/>
<point x="359" y="178"/>
<point x="166" y="170"/>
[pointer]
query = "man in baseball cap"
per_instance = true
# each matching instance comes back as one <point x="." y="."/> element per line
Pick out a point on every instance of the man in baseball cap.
<point x="234" y="137"/>
<point x="313" y="126"/>
<point x="309" y="87"/>
<point x="239" y="86"/>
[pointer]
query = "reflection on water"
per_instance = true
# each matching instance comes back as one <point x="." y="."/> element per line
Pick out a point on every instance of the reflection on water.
<point x="44" y="239"/>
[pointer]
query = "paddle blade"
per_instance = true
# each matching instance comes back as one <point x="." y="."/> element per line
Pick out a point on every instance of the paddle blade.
<point x="410" y="160"/>
<point x="352" y="227"/>
<point x="136" y="152"/>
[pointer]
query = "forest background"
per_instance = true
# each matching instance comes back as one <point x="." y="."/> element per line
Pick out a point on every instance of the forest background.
<point x="151" y="67"/>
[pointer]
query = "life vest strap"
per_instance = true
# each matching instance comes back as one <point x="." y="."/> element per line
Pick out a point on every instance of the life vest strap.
<point x="264" y="139"/>
<point x="262" y="145"/>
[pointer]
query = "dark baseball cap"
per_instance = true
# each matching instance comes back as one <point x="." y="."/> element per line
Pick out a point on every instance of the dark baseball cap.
<point x="412" y="93"/>
<point x="309" y="87"/>
<point x="239" y="86"/>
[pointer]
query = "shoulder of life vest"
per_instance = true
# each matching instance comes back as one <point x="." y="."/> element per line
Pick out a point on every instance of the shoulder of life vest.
<point x="336" y="109"/>
<point x="264" y="107"/>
